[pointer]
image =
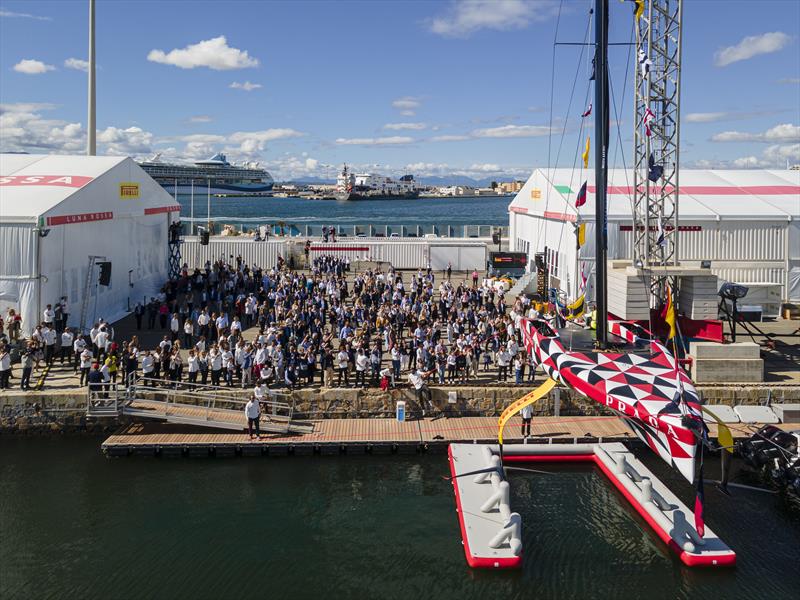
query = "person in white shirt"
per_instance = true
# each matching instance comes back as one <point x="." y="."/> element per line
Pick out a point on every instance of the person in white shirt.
<point x="362" y="361"/>
<point x="194" y="366"/>
<point x="100" y="342"/>
<point x="215" y="360"/>
<point x="252" y="411"/>
<point x="342" y="363"/>
<point x="527" y="414"/>
<point x="148" y="366"/>
<point x="86" y="364"/>
<point x="78" y="346"/>
<point x="66" y="346"/>
<point x="503" y="360"/>
<point x="421" y="391"/>
<point x="174" y="326"/>
<point x="48" y="315"/>
<point x="106" y="373"/>
<point x="49" y="337"/>
<point x="188" y="330"/>
<point x="5" y="367"/>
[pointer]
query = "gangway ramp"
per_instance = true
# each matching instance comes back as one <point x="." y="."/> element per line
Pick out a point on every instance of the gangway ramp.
<point x="192" y="404"/>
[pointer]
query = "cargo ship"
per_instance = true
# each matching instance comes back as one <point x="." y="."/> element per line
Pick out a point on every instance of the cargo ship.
<point x="215" y="175"/>
<point x="370" y="186"/>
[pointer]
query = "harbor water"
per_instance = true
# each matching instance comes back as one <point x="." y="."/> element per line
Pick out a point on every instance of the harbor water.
<point x="74" y="524"/>
<point x="300" y="212"/>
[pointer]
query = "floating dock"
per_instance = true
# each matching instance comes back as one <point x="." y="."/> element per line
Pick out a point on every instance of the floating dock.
<point x="490" y="530"/>
<point x="352" y="436"/>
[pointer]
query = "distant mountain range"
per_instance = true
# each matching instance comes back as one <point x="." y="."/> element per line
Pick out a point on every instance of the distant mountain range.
<point x="432" y="180"/>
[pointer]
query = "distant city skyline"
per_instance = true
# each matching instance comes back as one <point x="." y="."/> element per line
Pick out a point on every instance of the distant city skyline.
<point x="437" y="89"/>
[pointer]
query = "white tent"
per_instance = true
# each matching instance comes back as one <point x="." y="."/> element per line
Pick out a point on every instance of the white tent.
<point x="746" y="222"/>
<point x="57" y="211"/>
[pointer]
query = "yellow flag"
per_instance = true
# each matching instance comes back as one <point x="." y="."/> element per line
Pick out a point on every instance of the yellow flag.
<point x="669" y="314"/>
<point x="517" y="406"/>
<point x="724" y="435"/>
<point x="577" y="308"/>
<point x="585" y="154"/>
<point x="639" y="9"/>
<point x="581" y="235"/>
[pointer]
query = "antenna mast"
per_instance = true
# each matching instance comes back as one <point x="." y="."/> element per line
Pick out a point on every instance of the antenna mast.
<point x="657" y="111"/>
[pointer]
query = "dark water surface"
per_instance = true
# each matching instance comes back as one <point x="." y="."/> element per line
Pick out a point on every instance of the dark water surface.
<point x="74" y="524"/>
<point x="479" y="210"/>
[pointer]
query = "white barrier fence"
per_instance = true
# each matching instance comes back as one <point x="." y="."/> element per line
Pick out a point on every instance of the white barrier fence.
<point x="461" y="254"/>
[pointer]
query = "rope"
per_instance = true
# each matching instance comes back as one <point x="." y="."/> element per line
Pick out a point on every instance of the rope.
<point x="566" y="119"/>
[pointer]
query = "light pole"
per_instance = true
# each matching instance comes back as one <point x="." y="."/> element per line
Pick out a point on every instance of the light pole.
<point x="91" y="141"/>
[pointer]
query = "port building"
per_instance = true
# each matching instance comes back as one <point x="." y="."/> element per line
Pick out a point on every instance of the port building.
<point x="62" y="215"/>
<point x="745" y="224"/>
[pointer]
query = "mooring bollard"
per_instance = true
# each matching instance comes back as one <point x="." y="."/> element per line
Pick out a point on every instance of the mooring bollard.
<point x="647" y="491"/>
<point x="511" y="532"/>
<point x="499" y="499"/>
<point x="494" y="462"/>
<point x="620" y="462"/>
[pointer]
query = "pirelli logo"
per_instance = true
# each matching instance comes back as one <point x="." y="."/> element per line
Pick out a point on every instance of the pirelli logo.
<point x="128" y="190"/>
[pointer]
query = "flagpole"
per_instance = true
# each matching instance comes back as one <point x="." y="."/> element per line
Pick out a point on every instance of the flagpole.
<point x="191" y="210"/>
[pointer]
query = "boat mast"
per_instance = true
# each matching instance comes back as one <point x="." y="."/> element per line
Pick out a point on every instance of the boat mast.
<point x="601" y="167"/>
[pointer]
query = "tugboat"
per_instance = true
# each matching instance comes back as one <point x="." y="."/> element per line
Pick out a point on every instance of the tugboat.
<point x="370" y="186"/>
<point x="776" y="454"/>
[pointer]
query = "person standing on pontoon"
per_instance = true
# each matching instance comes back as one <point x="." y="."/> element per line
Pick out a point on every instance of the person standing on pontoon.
<point x="252" y="411"/>
<point x="527" y="414"/>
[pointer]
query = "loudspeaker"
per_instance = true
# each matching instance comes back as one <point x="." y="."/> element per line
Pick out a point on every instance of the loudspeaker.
<point x="496" y="237"/>
<point x="105" y="273"/>
<point x="204" y="235"/>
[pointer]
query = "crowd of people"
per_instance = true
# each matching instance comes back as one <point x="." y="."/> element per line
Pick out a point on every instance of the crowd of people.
<point x="233" y="324"/>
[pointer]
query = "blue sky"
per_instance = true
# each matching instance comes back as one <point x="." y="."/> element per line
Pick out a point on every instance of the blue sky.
<point x="430" y="87"/>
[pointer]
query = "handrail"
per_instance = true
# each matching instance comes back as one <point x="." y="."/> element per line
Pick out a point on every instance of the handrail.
<point x="208" y="398"/>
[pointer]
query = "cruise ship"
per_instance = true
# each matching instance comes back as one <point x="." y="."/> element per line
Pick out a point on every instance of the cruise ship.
<point x="369" y="186"/>
<point x="215" y="174"/>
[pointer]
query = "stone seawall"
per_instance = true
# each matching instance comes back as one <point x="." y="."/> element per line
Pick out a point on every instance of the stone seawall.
<point x="65" y="412"/>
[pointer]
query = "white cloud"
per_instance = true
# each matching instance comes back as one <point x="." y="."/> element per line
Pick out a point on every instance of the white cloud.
<point x="790" y="80"/>
<point x="11" y="15"/>
<point x="775" y="156"/>
<point x="407" y="105"/>
<point x="291" y="167"/>
<point x="214" y="54"/>
<point x="379" y="141"/>
<point x="32" y="67"/>
<point x="709" y="117"/>
<point x="253" y="142"/>
<point x="23" y="128"/>
<point x="485" y="168"/>
<point x="464" y="17"/>
<point x="77" y="64"/>
<point x="125" y="142"/>
<point x="512" y="131"/>
<point x="715" y="117"/>
<point x="449" y="138"/>
<point x="200" y="119"/>
<point x="785" y="132"/>
<point x="400" y="126"/>
<point x="752" y="45"/>
<point x="246" y="86"/>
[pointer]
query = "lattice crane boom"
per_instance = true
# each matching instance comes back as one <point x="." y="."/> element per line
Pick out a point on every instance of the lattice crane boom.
<point x="657" y="137"/>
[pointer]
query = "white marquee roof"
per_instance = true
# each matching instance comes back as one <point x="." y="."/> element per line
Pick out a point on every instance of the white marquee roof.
<point x="704" y="194"/>
<point x="35" y="185"/>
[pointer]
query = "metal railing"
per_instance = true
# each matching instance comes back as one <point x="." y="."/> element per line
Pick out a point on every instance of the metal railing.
<point x="200" y="404"/>
<point x="105" y="399"/>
